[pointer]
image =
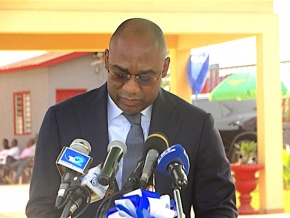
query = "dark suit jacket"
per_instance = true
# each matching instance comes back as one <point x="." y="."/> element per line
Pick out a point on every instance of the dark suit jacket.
<point x="210" y="190"/>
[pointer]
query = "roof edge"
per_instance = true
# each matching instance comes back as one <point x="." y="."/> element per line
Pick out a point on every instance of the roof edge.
<point x="33" y="64"/>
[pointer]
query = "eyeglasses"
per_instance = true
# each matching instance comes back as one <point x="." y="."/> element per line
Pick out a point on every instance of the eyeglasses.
<point x="144" y="80"/>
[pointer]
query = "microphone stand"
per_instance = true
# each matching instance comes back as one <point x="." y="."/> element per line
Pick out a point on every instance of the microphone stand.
<point x="151" y="183"/>
<point x="103" y="209"/>
<point x="77" y="197"/>
<point x="177" y="198"/>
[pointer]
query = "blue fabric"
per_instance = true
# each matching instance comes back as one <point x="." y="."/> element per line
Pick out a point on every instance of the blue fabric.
<point x="197" y="70"/>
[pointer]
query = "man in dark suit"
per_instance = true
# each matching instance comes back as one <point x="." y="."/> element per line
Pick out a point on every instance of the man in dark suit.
<point x="136" y="62"/>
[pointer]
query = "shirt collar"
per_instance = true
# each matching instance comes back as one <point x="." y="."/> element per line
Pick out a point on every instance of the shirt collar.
<point x="114" y="111"/>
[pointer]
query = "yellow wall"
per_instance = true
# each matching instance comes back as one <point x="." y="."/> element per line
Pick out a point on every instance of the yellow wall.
<point x="86" y="25"/>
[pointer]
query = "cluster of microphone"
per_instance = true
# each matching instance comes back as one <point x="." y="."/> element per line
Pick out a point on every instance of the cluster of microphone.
<point x="81" y="186"/>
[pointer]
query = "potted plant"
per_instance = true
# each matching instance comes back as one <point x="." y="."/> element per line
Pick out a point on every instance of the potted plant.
<point x="245" y="174"/>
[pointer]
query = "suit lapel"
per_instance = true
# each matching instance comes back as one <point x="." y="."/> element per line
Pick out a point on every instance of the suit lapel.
<point x="163" y="118"/>
<point x="94" y="124"/>
<point x="166" y="120"/>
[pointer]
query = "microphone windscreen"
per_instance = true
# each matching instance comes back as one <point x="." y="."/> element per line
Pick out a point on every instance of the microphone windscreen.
<point x="118" y="144"/>
<point x="74" y="157"/>
<point x="156" y="141"/>
<point x="81" y="145"/>
<point x="175" y="153"/>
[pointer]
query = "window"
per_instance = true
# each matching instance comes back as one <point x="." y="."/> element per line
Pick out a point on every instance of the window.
<point x="22" y="113"/>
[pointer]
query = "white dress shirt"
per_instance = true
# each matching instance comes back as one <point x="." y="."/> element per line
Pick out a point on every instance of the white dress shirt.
<point x="119" y="126"/>
<point x="13" y="151"/>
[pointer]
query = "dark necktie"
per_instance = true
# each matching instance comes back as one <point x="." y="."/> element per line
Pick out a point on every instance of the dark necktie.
<point x="134" y="142"/>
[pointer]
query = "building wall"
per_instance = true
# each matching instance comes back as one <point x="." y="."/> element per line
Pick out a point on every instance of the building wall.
<point x="34" y="81"/>
<point x="75" y="74"/>
<point x="42" y="84"/>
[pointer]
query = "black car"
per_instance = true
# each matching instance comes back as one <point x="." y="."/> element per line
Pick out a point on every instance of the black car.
<point x="236" y="122"/>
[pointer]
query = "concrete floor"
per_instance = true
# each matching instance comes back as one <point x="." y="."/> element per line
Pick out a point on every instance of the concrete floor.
<point x="14" y="198"/>
<point x="13" y="201"/>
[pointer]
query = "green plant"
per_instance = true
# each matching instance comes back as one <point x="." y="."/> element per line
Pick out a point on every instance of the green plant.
<point x="247" y="152"/>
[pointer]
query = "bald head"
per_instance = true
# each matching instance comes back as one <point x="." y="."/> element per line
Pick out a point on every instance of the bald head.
<point x="137" y="51"/>
<point x="139" y="27"/>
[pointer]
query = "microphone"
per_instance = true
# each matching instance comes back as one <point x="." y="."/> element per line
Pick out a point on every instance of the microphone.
<point x="133" y="179"/>
<point x="90" y="181"/>
<point x="110" y="193"/>
<point x="154" y="145"/>
<point x="71" y="163"/>
<point x="116" y="150"/>
<point x="89" y="189"/>
<point x="174" y="163"/>
<point x="131" y="182"/>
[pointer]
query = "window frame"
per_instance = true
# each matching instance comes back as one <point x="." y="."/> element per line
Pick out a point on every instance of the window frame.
<point x="22" y="116"/>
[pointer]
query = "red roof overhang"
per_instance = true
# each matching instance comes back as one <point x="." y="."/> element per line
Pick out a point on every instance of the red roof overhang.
<point x="45" y="60"/>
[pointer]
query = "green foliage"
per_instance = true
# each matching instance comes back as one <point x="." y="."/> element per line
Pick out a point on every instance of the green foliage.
<point x="247" y="151"/>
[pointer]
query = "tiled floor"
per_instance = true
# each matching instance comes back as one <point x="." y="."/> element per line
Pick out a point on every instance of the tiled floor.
<point x="14" y="198"/>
